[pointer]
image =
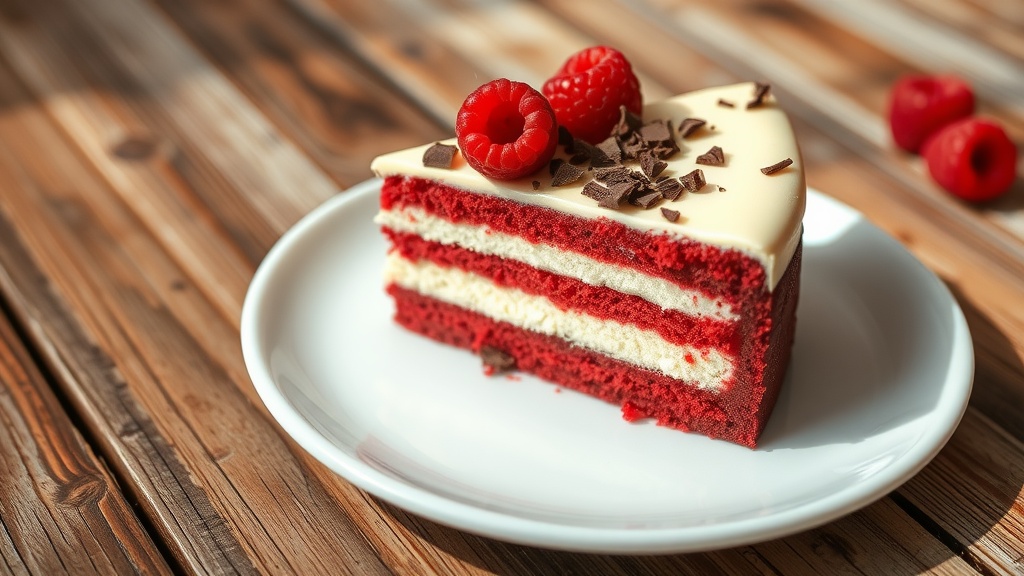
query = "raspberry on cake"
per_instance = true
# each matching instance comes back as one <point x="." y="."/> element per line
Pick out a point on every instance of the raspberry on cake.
<point x="506" y="129"/>
<point x="588" y="90"/>
<point x="657" y="270"/>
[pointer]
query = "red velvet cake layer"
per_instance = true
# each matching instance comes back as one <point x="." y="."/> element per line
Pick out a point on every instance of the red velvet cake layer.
<point x="761" y="340"/>
<point x="726" y="274"/>
<point x="738" y="414"/>
<point x="571" y="294"/>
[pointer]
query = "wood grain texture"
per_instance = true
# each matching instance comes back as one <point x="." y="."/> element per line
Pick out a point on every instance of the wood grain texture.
<point x="151" y="151"/>
<point x="61" y="512"/>
<point x="338" y="112"/>
<point x="98" y="296"/>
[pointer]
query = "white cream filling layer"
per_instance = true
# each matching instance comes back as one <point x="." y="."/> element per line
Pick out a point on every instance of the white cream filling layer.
<point x="707" y="369"/>
<point x="481" y="239"/>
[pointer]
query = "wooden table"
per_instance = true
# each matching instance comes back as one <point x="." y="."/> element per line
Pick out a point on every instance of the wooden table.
<point x="152" y="151"/>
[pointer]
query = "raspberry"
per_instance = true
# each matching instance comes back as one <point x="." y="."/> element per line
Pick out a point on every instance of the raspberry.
<point x="506" y="130"/>
<point x="920" y="105"/>
<point x="972" y="158"/>
<point x="588" y="90"/>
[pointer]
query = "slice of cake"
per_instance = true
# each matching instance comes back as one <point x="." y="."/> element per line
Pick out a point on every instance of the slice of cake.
<point x="657" y="270"/>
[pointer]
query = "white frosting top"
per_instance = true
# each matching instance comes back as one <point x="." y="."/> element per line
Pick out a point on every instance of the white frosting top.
<point x="739" y="208"/>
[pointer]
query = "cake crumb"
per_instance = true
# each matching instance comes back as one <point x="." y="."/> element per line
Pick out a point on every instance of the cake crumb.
<point x="630" y="412"/>
<point x="496" y="360"/>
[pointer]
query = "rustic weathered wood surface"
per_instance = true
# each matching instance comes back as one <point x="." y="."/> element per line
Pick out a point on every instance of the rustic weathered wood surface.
<point x="152" y="151"/>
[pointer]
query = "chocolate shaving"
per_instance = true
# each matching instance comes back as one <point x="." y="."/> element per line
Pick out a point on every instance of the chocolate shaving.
<point x="768" y="170"/>
<point x="535" y="184"/>
<point x="647" y="200"/>
<point x="613" y="175"/>
<point x="597" y="157"/>
<point x="439" y="155"/>
<point x="761" y="90"/>
<point x="496" y="360"/>
<point x="614" y="195"/>
<point x="693" y="181"/>
<point x="670" y="188"/>
<point x="639" y="177"/>
<point x="579" y="157"/>
<point x="664" y="151"/>
<point x="725" y="103"/>
<point x="632" y="146"/>
<point x="651" y="165"/>
<point x="566" y="174"/>
<point x="655" y="132"/>
<point x="670" y="215"/>
<point x="554" y="164"/>
<point x="648" y="143"/>
<point x="594" y="190"/>
<point x="658" y="137"/>
<point x="721" y="188"/>
<point x="628" y="123"/>
<point x="565" y="139"/>
<point x="665" y="148"/>
<point x="617" y="194"/>
<point x="609" y="147"/>
<point x="689" y="126"/>
<point x="713" y="157"/>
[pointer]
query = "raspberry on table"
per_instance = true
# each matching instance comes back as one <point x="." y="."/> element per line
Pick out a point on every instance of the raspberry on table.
<point x="506" y="130"/>
<point x="588" y="90"/>
<point x="920" y="105"/>
<point x="972" y="158"/>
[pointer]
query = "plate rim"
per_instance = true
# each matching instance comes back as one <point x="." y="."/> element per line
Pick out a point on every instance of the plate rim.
<point x="495" y="524"/>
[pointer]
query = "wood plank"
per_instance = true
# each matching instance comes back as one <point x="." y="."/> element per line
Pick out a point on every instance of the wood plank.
<point x="390" y="36"/>
<point x="879" y="539"/>
<point x="95" y="292"/>
<point x="438" y="54"/>
<point x="339" y="113"/>
<point x="61" y="511"/>
<point x="947" y="35"/>
<point x="189" y="154"/>
<point x="974" y="492"/>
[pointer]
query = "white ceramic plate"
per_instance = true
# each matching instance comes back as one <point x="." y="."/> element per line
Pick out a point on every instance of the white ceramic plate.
<point x="881" y="374"/>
